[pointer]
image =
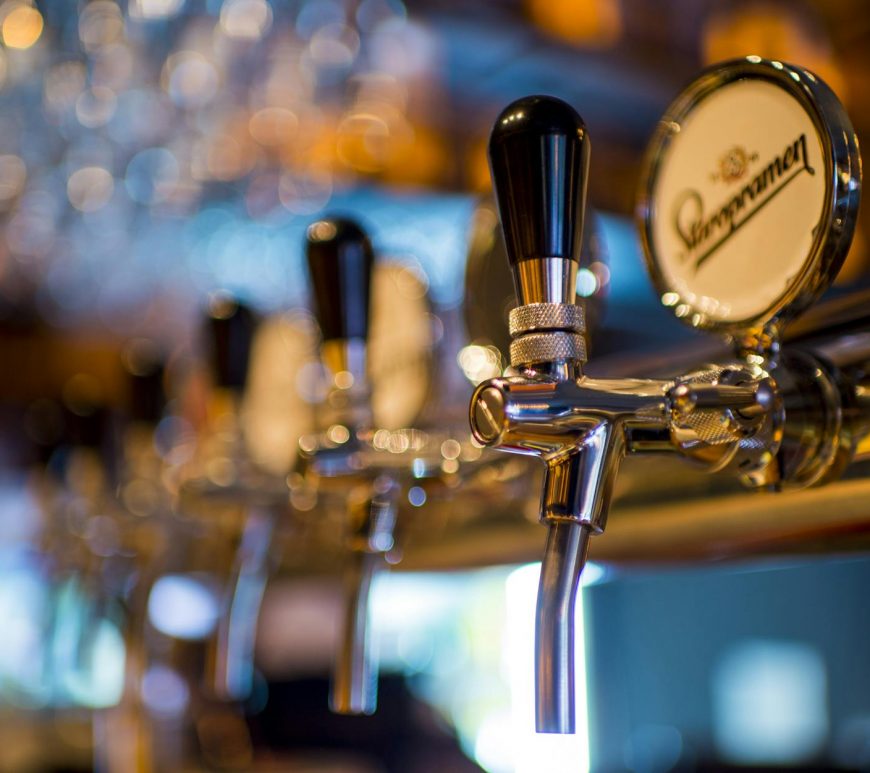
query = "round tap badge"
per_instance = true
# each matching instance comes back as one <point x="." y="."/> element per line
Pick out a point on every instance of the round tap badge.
<point x="749" y="196"/>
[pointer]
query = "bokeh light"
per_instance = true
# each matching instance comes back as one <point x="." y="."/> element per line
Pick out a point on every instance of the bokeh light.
<point x="22" y="25"/>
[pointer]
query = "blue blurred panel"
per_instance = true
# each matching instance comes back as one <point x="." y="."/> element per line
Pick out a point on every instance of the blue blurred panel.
<point x="262" y="261"/>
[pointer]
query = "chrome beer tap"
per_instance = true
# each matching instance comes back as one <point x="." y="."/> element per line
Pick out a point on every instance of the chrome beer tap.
<point x="340" y="263"/>
<point x="232" y="326"/>
<point x="235" y="503"/>
<point x="124" y="733"/>
<point x="539" y="152"/>
<point x="774" y="417"/>
<point x="379" y="476"/>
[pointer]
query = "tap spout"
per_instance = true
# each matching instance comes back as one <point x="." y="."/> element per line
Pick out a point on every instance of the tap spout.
<point x="355" y="675"/>
<point x="564" y="558"/>
<point x="354" y="688"/>
<point x="233" y="658"/>
<point x="577" y="492"/>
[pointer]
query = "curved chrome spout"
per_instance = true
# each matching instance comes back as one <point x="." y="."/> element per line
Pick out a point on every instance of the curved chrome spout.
<point x="564" y="558"/>
<point x="354" y="688"/>
<point x="233" y="666"/>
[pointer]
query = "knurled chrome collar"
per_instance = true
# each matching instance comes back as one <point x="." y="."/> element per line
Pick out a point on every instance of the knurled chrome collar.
<point x="551" y="346"/>
<point x="567" y="317"/>
<point x="547" y="332"/>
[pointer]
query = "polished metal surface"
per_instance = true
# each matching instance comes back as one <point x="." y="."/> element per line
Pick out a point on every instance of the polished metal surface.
<point x="725" y="405"/>
<point x="564" y="557"/>
<point x="545" y="280"/>
<point x="822" y="423"/>
<point x="354" y="688"/>
<point x="237" y="626"/>
<point x="346" y="355"/>
<point x="745" y="399"/>
<point x="582" y="428"/>
<point x="369" y="541"/>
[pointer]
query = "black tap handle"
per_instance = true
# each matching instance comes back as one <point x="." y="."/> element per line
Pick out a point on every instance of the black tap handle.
<point x="145" y="369"/>
<point x="539" y="153"/>
<point x="340" y="260"/>
<point x="231" y="327"/>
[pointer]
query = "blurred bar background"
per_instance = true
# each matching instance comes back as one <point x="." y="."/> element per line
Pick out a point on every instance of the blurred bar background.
<point x="160" y="164"/>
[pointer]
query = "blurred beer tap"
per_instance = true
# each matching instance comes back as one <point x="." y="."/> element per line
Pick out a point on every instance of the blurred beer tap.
<point x="109" y="521"/>
<point x="234" y="502"/>
<point x="90" y="563"/>
<point x="371" y="472"/>
<point x="340" y="263"/>
<point x="124" y="732"/>
<point x="774" y="417"/>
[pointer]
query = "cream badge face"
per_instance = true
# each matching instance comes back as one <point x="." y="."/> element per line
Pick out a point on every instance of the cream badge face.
<point x="737" y="200"/>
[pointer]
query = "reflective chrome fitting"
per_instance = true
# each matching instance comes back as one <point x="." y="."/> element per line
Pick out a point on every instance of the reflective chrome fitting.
<point x="537" y="317"/>
<point x="554" y="346"/>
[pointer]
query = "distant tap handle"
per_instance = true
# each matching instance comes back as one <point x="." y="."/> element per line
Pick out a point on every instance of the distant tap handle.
<point x="145" y="368"/>
<point x="231" y="328"/>
<point x="340" y="260"/>
<point x="539" y="152"/>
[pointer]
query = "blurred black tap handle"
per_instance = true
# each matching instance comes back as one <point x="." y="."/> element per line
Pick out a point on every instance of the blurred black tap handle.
<point x="144" y="364"/>
<point x="340" y="261"/>
<point x="231" y="327"/>
<point x="539" y="158"/>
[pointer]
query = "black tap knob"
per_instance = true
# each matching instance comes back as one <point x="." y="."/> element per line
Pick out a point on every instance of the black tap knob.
<point x="145" y="369"/>
<point x="340" y="260"/>
<point x="231" y="327"/>
<point x="88" y="425"/>
<point x="539" y="154"/>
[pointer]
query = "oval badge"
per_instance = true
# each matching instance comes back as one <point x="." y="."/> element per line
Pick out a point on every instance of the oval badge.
<point x="749" y="196"/>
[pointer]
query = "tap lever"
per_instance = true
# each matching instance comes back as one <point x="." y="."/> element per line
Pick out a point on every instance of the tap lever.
<point x="145" y="367"/>
<point x="538" y="152"/>
<point x="231" y="328"/>
<point x="340" y="260"/>
<point x="730" y="416"/>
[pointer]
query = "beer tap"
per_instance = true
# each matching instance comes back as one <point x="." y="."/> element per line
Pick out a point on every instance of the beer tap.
<point x="340" y="263"/>
<point x="236" y="503"/>
<point x="539" y="152"/>
<point x="773" y="416"/>
<point x="124" y="733"/>
<point x="374" y="472"/>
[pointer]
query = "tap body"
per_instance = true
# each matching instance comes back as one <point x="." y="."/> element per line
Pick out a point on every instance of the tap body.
<point x="581" y="428"/>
